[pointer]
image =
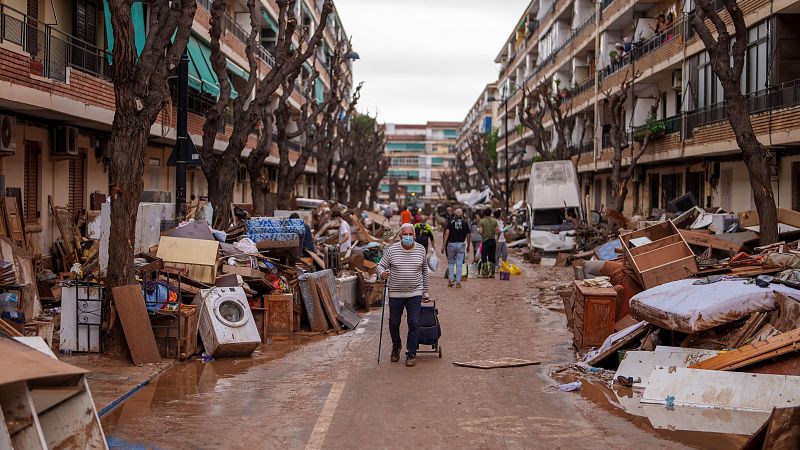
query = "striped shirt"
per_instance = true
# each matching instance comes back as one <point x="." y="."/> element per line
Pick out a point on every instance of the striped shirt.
<point x="408" y="270"/>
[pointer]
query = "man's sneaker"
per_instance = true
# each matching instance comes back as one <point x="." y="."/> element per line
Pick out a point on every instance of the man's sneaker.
<point x="449" y="284"/>
<point x="396" y="354"/>
<point x="458" y="285"/>
<point x="411" y="360"/>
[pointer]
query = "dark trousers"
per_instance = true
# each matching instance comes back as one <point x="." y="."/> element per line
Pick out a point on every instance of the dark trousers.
<point x="488" y="251"/>
<point x="412" y="306"/>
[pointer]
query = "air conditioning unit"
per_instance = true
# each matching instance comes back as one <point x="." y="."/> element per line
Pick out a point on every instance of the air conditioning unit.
<point x="677" y="80"/>
<point x="8" y="142"/>
<point x="65" y="142"/>
<point x="242" y="175"/>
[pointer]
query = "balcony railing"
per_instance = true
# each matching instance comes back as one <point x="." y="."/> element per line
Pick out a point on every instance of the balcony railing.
<point x="587" y="147"/>
<point x="230" y="25"/>
<point x="552" y="56"/>
<point x="51" y="50"/>
<point x="784" y="95"/>
<point x="642" y="48"/>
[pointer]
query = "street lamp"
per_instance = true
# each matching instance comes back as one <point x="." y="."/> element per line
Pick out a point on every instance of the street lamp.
<point x="504" y="99"/>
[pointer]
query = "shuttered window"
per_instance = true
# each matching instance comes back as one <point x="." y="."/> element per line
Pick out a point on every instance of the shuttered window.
<point x="31" y="179"/>
<point x="77" y="180"/>
<point x="796" y="186"/>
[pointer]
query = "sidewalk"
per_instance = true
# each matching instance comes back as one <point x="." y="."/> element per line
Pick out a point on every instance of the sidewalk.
<point x="113" y="380"/>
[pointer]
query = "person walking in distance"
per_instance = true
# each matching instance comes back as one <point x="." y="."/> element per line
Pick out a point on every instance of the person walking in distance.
<point x="456" y="238"/>
<point x="344" y="232"/>
<point x="489" y="233"/>
<point x="502" y="247"/>
<point x="405" y="216"/>
<point x="404" y="265"/>
<point x="387" y="214"/>
<point x="475" y="235"/>
<point x="424" y="233"/>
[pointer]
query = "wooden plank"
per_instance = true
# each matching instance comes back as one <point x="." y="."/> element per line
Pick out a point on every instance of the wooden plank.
<point x="14" y="221"/>
<point x="188" y="251"/>
<point x="327" y="302"/>
<point x="708" y="240"/>
<point x="316" y="259"/>
<point x="785" y="216"/>
<point x="624" y="342"/>
<point x="749" y="328"/>
<point x="312" y="304"/>
<point x="751" y="353"/>
<point x="132" y="312"/>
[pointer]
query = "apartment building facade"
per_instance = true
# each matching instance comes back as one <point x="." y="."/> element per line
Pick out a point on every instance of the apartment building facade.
<point x="57" y="100"/>
<point x="587" y="49"/>
<point x="418" y="154"/>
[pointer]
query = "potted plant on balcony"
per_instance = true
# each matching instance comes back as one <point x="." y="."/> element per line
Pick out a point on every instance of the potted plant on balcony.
<point x="654" y="128"/>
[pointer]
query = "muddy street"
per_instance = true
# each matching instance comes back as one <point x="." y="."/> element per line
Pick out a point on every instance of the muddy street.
<point x="331" y="392"/>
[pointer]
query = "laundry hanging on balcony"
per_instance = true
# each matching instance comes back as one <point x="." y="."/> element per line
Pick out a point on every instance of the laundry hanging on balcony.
<point x="139" y="32"/>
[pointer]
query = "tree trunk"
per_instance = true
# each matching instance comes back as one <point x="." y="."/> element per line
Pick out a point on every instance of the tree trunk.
<point x="285" y="194"/>
<point x="756" y="158"/>
<point x="618" y="197"/>
<point x="221" y="177"/>
<point x="126" y="168"/>
<point x="259" y="188"/>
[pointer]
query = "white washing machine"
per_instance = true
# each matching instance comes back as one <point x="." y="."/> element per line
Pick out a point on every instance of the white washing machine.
<point x="227" y="326"/>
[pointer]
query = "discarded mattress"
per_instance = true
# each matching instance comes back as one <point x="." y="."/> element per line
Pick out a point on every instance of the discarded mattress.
<point x="274" y="229"/>
<point x="682" y="306"/>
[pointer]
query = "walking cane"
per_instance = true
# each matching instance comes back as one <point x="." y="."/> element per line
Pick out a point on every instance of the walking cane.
<point x="383" y="311"/>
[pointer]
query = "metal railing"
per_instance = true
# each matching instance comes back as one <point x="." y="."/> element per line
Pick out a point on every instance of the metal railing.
<point x="51" y="50"/>
<point x="587" y="147"/>
<point x="642" y="48"/>
<point x="230" y="25"/>
<point x="554" y="54"/>
<point x="785" y="95"/>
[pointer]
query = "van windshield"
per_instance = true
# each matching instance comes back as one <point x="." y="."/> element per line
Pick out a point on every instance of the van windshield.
<point x="557" y="219"/>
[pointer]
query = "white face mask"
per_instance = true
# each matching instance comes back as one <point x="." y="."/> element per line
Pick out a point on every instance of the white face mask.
<point x="407" y="240"/>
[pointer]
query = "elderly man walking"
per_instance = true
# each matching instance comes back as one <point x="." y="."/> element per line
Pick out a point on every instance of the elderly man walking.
<point x="405" y="266"/>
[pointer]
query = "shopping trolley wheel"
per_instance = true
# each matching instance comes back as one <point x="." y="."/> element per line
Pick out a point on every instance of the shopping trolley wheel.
<point x="440" y="351"/>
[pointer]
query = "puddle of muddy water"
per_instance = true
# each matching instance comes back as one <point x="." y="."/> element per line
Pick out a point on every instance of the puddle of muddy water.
<point x="185" y="380"/>
<point x="673" y="424"/>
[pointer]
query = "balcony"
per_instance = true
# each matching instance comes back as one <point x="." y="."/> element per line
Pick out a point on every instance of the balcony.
<point x="642" y="48"/>
<point x="555" y="53"/>
<point x="785" y="95"/>
<point x="230" y="25"/>
<point x="51" y="50"/>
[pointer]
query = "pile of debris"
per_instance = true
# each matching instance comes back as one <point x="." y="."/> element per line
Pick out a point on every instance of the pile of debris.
<point x="684" y="309"/>
<point x="258" y="281"/>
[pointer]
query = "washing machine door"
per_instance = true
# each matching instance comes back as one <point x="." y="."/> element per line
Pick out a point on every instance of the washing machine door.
<point x="231" y="312"/>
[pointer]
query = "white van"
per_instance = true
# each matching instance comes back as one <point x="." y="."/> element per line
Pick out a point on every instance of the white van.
<point x="554" y="206"/>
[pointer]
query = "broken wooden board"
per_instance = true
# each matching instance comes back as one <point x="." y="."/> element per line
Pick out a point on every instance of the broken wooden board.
<point x="707" y="240"/>
<point x="639" y="364"/>
<point x="348" y="317"/>
<point x="618" y="341"/>
<point x="780" y="431"/>
<point x="497" y="363"/>
<point x="753" y="353"/>
<point x="785" y="216"/>
<point x="316" y="259"/>
<point x="327" y="300"/>
<point x="312" y="304"/>
<point x="13" y="220"/>
<point x="132" y="312"/>
<point x="718" y="389"/>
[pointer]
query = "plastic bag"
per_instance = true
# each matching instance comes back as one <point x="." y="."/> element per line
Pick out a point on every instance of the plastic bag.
<point x="514" y="269"/>
<point x="433" y="261"/>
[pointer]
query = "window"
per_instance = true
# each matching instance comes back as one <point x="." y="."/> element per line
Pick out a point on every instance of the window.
<point x="726" y="189"/>
<point x="33" y="153"/>
<point x="671" y="187"/>
<point x="695" y="183"/>
<point x="654" y="191"/>
<point x="756" y="58"/>
<point x="84" y="27"/>
<point x="709" y="89"/>
<point x="77" y="180"/>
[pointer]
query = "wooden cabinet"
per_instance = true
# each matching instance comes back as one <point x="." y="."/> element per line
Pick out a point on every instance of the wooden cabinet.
<point x="593" y="315"/>
<point x="661" y="256"/>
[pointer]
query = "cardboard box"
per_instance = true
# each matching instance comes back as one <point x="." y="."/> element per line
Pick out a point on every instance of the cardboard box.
<point x="243" y="271"/>
<point x="196" y="257"/>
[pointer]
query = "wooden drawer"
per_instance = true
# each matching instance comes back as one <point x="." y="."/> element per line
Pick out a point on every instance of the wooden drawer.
<point x="666" y="258"/>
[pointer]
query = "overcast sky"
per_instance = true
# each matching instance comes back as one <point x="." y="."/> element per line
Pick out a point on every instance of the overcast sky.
<point x="426" y="59"/>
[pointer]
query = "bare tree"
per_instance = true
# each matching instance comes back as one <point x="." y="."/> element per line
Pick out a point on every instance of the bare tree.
<point x="456" y="178"/>
<point x="622" y="174"/>
<point x="394" y="186"/>
<point x="141" y="92"/>
<point x="483" y="152"/>
<point x="362" y="162"/>
<point x="220" y="168"/>
<point x="545" y="101"/>
<point x="727" y="55"/>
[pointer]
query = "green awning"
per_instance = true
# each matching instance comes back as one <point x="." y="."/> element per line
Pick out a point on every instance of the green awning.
<point x="270" y="21"/>
<point x="139" y="30"/>
<point x="201" y="76"/>
<point x="319" y="90"/>
<point x="236" y="70"/>
<point x="415" y="188"/>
